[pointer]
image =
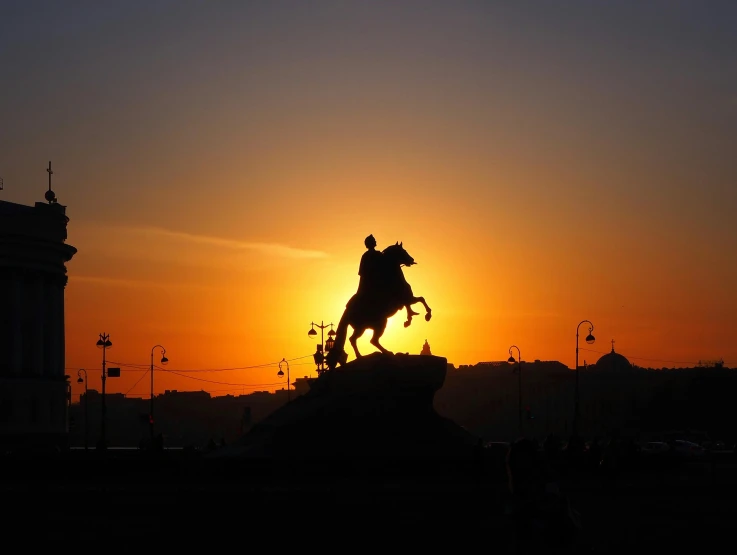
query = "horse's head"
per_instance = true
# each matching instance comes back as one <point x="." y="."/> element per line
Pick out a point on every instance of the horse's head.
<point x="396" y="254"/>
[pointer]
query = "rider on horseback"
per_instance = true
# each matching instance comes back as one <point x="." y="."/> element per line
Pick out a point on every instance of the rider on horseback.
<point x="373" y="274"/>
<point x="383" y="291"/>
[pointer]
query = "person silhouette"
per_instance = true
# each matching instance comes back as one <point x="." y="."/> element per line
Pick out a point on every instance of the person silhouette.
<point x="369" y="270"/>
<point x="371" y="275"/>
<point x="540" y="514"/>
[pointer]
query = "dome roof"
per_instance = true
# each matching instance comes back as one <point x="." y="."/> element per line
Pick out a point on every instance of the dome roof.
<point x="613" y="362"/>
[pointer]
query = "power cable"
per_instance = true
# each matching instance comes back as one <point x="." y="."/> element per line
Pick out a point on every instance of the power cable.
<point x="211" y="381"/>
<point x="265" y="365"/>
<point x="135" y="384"/>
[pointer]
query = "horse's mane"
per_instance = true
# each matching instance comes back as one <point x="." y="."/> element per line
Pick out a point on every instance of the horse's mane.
<point x="392" y="248"/>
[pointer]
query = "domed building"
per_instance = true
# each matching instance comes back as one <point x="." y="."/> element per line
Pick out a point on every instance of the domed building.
<point x="426" y="349"/>
<point x="614" y="397"/>
<point x="613" y="362"/>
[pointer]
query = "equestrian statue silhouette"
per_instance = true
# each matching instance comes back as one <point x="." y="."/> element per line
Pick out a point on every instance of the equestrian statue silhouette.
<point x="382" y="292"/>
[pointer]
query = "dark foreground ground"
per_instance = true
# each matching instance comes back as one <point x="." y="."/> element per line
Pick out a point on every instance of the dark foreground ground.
<point x="344" y="506"/>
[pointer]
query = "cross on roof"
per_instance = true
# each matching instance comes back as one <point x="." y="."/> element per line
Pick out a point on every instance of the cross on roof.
<point x="50" y="173"/>
<point x="612" y="345"/>
<point x="50" y="196"/>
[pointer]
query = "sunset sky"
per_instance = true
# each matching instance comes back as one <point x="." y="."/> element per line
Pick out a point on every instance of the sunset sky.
<point x="222" y="162"/>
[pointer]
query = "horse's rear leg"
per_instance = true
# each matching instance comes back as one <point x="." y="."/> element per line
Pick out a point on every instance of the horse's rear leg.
<point x="354" y="340"/>
<point x="378" y="332"/>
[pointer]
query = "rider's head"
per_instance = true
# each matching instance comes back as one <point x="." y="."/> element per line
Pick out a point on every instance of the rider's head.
<point x="370" y="242"/>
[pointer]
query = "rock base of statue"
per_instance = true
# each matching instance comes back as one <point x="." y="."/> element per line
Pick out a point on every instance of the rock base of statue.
<point x="375" y="408"/>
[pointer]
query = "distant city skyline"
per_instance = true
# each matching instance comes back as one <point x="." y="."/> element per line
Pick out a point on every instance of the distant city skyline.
<point x="483" y="398"/>
<point x="248" y="388"/>
<point x="221" y="166"/>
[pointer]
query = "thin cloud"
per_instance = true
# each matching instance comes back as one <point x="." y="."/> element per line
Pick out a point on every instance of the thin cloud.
<point x="529" y="314"/>
<point x="131" y="283"/>
<point x="274" y="249"/>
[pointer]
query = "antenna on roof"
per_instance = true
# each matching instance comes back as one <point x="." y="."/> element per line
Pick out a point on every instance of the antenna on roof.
<point x="1" y="183"/>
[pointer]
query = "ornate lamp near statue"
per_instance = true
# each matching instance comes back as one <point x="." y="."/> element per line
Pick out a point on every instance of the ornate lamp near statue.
<point x="319" y="355"/>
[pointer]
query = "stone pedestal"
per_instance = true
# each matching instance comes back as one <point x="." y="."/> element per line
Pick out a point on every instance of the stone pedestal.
<point x="378" y="407"/>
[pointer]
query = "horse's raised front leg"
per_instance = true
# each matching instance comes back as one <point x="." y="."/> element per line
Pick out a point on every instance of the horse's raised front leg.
<point x="410" y="313"/>
<point x="378" y="332"/>
<point x="428" y="310"/>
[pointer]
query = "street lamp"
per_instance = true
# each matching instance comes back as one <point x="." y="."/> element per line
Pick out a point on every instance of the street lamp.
<point x="319" y="355"/>
<point x="103" y="343"/>
<point x="519" y="383"/>
<point x="86" y="404"/>
<point x="576" y="411"/>
<point x="164" y="360"/>
<point x="280" y="373"/>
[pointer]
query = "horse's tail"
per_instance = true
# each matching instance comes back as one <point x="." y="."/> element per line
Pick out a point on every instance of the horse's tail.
<point x="337" y="353"/>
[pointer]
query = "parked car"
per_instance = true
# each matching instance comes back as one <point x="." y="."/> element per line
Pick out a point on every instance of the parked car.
<point x="655" y="448"/>
<point x="688" y="449"/>
<point x="717" y="447"/>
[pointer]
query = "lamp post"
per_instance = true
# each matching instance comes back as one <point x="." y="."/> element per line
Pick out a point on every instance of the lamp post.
<point x="86" y="404"/>
<point x="280" y="373"/>
<point x="519" y="383"/>
<point x="103" y="343"/>
<point x="164" y="360"/>
<point x="319" y="355"/>
<point x="576" y="408"/>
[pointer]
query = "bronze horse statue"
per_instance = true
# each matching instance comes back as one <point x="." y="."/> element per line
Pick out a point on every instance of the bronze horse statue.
<point x="373" y="308"/>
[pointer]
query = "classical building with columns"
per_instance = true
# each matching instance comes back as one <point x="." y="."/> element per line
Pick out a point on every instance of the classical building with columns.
<point x="34" y="390"/>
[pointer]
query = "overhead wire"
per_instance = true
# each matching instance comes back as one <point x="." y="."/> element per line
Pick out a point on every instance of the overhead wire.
<point x="146" y="368"/>
<point x="137" y="382"/>
<point x="255" y="366"/>
<point x="211" y="381"/>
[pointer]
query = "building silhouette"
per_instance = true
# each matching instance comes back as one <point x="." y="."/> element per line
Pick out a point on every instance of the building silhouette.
<point x="613" y="362"/>
<point x="34" y="390"/>
<point x="426" y="349"/>
<point x="183" y="418"/>
<point x="617" y="398"/>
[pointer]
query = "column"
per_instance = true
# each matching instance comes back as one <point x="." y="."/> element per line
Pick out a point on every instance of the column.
<point x="55" y="341"/>
<point x="16" y="356"/>
<point x="62" y="327"/>
<point x="6" y="328"/>
<point x="39" y="313"/>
